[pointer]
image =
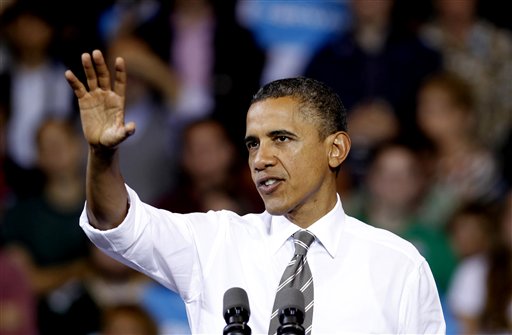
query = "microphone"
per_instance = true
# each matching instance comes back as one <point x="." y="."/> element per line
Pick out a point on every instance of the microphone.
<point x="236" y="312"/>
<point x="291" y="312"/>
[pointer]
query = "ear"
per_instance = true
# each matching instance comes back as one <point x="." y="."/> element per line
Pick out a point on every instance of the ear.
<point x="339" y="146"/>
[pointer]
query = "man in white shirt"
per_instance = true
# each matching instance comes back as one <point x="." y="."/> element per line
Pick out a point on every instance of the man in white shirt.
<point x="366" y="280"/>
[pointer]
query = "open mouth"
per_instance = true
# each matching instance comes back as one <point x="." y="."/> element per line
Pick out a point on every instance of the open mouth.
<point x="268" y="185"/>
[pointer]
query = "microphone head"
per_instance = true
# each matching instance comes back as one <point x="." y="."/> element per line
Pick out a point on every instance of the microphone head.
<point x="292" y="310"/>
<point x="291" y="297"/>
<point x="236" y="303"/>
<point x="236" y="297"/>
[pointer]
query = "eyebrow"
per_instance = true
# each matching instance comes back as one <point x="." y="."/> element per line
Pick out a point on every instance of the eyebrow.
<point x="248" y="139"/>
<point x="281" y="132"/>
<point x="274" y="133"/>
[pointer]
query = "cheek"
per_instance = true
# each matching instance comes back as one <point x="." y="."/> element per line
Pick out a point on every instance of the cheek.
<point x="306" y="168"/>
<point x="296" y="160"/>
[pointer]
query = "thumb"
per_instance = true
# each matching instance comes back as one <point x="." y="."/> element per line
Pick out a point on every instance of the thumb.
<point x="129" y="128"/>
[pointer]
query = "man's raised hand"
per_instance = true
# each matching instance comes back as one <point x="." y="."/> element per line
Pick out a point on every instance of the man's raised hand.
<point x="101" y="107"/>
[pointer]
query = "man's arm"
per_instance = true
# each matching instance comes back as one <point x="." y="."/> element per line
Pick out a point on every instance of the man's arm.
<point x="102" y="116"/>
<point x="421" y="310"/>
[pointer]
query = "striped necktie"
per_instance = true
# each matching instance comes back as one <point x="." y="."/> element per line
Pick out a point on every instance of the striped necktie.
<point x="298" y="275"/>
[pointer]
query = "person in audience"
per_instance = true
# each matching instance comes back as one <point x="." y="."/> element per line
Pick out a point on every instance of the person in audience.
<point x="376" y="59"/>
<point x="479" y="51"/>
<point x="110" y="282"/>
<point x="41" y="233"/>
<point x="480" y="294"/>
<point x="128" y="319"/>
<point x="372" y="122"/>
<point x="150" y="101"/>
<point x="213" y="177"/>
<point x="471" y="229"/>
<point x="32" y="89"/>
<point x="18" y="313"/>
<point x="462" y="169"/>
<point x="215" y="58"/>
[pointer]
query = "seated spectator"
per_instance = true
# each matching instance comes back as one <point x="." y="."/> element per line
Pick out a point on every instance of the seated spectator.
<point x="112" y="283"/>
<point x="17" y="301"/>
<point x="150" y="98"/>
<point x="128" y="320"/>
<point x="212" y="173"/>
<point x="41" y="233"/>
<point x="471" y="229"/>
<point x="462" y="168"/>
<point x="376" y="59"/>
<point x="216" y="60"/>
<point x="480" y="294"/>
<point x="371" y="122"/>
<point x="479" y="51"/>
<point x="33" y="88"/>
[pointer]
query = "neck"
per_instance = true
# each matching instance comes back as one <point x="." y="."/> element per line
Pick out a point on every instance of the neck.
<point x="192" y="13"/>
<point x="371" y="36"/>
<point x="31" y="59"/>
<point x="458" y="27"/>
<point x="307" y="213"/>
<point x="453" y="146"/>
<point x="65" y="191"/>
<point x="393" y="218"/>
<point x="211" y="182"/>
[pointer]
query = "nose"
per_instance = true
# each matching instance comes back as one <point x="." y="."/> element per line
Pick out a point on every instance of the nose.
<point x="263" y="157"/>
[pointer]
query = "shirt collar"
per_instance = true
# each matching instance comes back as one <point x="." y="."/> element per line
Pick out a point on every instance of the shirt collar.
<point x="327" y="229"/>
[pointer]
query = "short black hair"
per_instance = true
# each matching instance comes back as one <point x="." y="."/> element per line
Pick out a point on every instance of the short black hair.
<point x="317" y="101"/>
<point x="39" y="9"/>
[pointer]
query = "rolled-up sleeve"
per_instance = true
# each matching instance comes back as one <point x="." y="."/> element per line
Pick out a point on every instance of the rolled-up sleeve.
<point x="117" y="239"/>
<point x="157" y="243"/>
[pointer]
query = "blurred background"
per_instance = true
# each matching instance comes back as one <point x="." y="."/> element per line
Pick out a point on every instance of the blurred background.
<point x="428" y="89"/>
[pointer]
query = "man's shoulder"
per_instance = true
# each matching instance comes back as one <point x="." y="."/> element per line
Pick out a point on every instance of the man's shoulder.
<point x="234" y="220"/>
<point x="242" y="218"/>
<point x="379" y="239"/>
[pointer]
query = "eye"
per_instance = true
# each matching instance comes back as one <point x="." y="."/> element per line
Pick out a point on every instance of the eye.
<point x="282" y="138"/>
<point x="251" y="144"/>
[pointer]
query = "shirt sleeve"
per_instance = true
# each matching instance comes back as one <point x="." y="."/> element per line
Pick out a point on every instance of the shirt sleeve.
<point x="420" y="308"/>
<point x="161" y="244"/>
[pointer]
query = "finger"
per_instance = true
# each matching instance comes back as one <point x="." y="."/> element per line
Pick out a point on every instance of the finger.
<point x="129" y="128"/>
<point x="77" y="86"/>
<point x="126" y="131"/>
<point x="101" y="70"/>
<point x="90" y="73"/>
<point x="120" y="83"/>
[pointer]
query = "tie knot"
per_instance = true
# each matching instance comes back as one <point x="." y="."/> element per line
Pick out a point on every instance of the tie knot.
<point x="303" y="239"/>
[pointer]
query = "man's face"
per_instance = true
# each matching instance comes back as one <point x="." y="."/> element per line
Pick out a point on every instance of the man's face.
<point x="289" y="162"/>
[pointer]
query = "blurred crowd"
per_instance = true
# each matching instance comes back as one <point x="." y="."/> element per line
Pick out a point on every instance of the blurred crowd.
<point x="428" y="89"/>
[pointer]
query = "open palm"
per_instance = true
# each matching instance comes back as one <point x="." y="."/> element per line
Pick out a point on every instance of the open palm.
<point x="101" y="107"/>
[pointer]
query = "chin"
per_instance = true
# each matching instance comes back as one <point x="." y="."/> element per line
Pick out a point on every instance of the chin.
<point x="276" y="210"/>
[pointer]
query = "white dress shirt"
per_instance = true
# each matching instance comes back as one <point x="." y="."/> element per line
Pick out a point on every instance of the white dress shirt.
<point x="366" y="280"/>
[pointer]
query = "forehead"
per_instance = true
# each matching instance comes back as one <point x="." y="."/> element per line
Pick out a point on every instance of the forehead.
<point x="275" y="113"/>
<point x="396" y="155"/>
<point x="209" y="130"/>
